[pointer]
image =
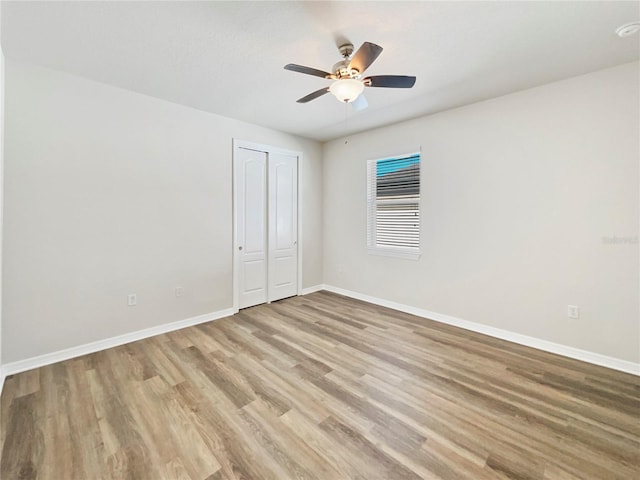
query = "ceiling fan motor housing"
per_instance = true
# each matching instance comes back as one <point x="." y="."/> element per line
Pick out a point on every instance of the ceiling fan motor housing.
<point x="341" y="69"/>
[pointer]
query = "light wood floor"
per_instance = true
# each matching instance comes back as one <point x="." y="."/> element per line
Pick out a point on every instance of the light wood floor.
<point x="321" y="387"/>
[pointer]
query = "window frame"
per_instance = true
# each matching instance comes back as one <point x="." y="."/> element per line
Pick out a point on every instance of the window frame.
<point x="371" y="207"/>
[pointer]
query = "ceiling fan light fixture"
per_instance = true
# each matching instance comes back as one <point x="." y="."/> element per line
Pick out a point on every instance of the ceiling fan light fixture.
<point x="347" y="89"/>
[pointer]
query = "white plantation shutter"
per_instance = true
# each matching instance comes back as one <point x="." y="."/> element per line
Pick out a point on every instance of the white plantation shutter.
<point x="393" y="205"/>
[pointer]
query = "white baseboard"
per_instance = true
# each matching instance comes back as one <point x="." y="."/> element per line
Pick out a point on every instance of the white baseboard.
<point x="565" y="351"/>
<point x="54" y="357"/>
<point x="2" y="377"/>
<point x="315" y="288"/>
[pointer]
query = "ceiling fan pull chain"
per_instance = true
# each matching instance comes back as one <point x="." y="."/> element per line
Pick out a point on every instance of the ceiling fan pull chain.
<point x="346" y="120"/>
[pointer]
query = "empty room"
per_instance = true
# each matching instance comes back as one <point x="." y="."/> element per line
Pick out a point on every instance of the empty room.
<point x="271" y="240"/>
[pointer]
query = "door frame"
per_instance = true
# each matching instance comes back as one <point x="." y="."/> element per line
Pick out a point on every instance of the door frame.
<point x="237" y="144"/>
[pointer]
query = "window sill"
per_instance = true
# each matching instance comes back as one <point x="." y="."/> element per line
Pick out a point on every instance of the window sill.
<point x="392" y="252"/>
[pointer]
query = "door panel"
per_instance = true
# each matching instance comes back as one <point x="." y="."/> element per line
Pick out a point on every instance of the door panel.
<point x="251" y="209"/>
<point x="283" y="226"/>
<point x="254" y="276"/>
<point x="285" y="270"/>
<point x="255" y="206"/>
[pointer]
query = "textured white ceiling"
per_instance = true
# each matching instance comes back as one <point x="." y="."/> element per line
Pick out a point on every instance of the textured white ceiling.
<point x="228" y="57"/>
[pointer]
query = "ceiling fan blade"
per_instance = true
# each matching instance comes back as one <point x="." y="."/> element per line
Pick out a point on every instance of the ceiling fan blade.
<point x="308" y="70"/>
<point x="314" y="95"/>
<point x="390" y="81"/>
<point x="360" y="103"/>
<point x="365" y="56"/>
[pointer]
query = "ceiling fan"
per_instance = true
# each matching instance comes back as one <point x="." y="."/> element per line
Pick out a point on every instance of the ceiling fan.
<point x="348" y="83"/>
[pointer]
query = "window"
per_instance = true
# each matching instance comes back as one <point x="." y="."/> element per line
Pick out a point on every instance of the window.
<point x="393" y="206"/>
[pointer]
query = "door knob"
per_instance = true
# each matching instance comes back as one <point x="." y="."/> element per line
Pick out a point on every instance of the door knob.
<point x="240" y="248"/>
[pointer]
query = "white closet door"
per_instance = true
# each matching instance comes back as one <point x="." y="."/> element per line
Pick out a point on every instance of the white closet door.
<point x="251" y="210"/>
<point x="283" y="226"/>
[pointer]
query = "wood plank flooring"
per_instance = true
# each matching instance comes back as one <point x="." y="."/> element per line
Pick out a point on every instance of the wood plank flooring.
<point x="321" y="387"/>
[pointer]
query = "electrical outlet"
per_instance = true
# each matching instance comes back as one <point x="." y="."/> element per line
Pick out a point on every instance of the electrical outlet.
<point x="573" y="311"/>
<point x="179" y="291"/>
<point x="132" y="300"/>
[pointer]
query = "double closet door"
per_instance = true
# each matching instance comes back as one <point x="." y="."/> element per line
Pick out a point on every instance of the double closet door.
<point x="266" y="225"/>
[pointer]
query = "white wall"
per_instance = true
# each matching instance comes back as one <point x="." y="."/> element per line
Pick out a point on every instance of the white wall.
<point x="1" y="187"/>
<point x="517" y="195"/>
<point x="110" y="192"/>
